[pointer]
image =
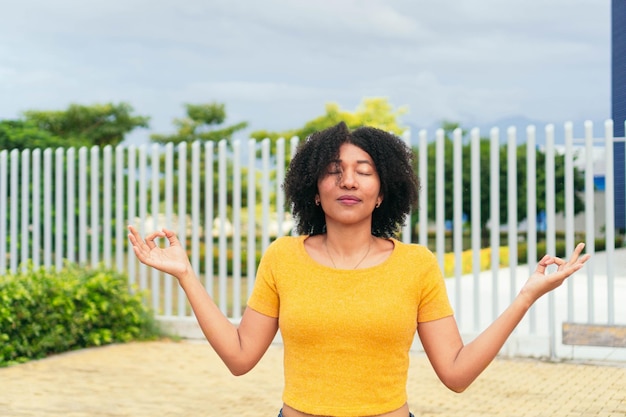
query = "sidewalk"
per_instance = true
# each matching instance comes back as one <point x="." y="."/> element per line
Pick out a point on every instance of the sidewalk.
<point x="188" y="379"/>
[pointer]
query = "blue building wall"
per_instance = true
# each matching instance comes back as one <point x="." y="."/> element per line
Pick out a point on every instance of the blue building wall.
<point x="618" y="104"/>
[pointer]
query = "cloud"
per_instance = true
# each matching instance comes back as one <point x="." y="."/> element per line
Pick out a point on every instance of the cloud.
<point x="276" y="63"/>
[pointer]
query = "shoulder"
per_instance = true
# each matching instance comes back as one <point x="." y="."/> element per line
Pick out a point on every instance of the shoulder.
<point x="421" y="259"/>
<point x="284" y="244"/>
<point x="283" y="254"/>
<point x="414" y="250"/>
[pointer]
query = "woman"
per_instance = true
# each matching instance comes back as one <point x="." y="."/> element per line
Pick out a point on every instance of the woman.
<point x="347" y="296"/>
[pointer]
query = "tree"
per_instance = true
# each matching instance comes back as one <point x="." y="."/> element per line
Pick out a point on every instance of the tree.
<point x="78" y="126"/>
<point x="372" y="111"/>
<point x="201" y="123"/>
<point x="20" y="135"/>
<point x="485" y="178"/>
<point x="81" y="125"/>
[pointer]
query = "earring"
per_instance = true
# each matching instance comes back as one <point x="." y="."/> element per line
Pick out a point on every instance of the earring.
<point x="317" y="202"/>
<point x="377" y="205"/>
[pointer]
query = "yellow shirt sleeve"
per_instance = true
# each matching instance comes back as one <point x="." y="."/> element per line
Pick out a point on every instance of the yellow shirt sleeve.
<point x="264" y="298"/>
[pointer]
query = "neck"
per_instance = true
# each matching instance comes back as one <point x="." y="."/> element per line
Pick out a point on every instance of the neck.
<point x="347" y="251"/>
<point x="348" y="238"/>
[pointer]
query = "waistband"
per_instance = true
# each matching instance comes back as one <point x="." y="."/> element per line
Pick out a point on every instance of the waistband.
<point x="280" y="413"/>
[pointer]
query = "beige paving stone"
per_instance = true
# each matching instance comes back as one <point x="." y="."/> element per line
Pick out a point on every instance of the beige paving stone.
<point x="188" y="379"/>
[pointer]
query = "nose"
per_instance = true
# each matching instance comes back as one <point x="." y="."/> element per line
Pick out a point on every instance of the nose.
<point x="348" y="179"/>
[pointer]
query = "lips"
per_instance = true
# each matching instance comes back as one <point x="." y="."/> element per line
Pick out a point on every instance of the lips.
<point x="349" y="199"/>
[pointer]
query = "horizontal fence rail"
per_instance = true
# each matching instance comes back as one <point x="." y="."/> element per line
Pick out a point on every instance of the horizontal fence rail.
<point x="225" y="201"/>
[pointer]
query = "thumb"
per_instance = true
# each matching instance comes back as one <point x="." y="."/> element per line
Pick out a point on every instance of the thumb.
<point x="171" y="237"/>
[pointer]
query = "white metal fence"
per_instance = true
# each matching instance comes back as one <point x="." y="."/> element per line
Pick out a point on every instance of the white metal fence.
<point x="225" y="201"/>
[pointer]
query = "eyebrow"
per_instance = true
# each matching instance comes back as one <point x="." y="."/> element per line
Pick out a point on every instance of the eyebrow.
<point x="359" y="161"/>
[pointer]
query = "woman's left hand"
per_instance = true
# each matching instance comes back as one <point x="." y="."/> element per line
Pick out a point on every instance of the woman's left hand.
<point x="540" y="283"/>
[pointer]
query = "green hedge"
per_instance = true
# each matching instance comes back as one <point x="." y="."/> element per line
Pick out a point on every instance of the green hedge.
<point x="599" y="246"/>
<point x="43" y="312"/>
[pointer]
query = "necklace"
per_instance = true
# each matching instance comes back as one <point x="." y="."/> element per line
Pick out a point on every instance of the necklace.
<point x="358" y="263"/>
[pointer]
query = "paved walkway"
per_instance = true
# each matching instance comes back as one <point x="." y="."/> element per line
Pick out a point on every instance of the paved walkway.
<point x="187" y="379"/>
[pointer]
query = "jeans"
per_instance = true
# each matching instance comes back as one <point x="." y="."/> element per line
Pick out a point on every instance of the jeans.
<point x="280" y="413"/>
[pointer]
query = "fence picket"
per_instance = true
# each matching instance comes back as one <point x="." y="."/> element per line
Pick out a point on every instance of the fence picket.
<point x="107" y="204"/>
<point x="569" y="209"/>
<point x="589" y="219"/>
<point x="610" y="221"/>
<point x="531" y="207"/>
<point x="494" y="234"/>
<point x="47" y="209"/>
<point x="550" y="227"/>
<point x="236" y="204"/>
<point x="120" y="239"/>
<point x="511" y="174"/>
<point x="440" y="193"/>
<point x="36" y="225"/>
<point x="3" y="208"/>
<point x="25" y="211"/>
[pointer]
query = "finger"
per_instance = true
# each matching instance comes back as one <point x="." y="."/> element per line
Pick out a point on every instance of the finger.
<point x="577" y="251"/>
<point x="135" y="242"/>
<point x="546" y="261"/>
<point x="585" y="258"/>
<point x="580" y="262"/>
<point x="564" y="265"/>
<point x="139" y="254"/>
<point x="574" y="259"/>
<point x="133" y="232"/>
<point x="567" y="268"/>
<point x="152" y="237"/>
<point x="171" y="237"/>
<point x="133" y="236"/>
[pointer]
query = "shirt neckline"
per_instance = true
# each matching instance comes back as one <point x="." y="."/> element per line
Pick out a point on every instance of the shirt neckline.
<point x="313" y="262"/>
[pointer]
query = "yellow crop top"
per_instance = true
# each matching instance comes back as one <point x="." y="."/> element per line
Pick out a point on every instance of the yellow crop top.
<point x="347" y="333"/>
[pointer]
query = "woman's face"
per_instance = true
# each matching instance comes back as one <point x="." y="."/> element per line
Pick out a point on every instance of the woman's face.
<point x="350" y="190"/>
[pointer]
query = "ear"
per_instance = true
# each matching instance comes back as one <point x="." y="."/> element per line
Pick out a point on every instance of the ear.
<point x="379" y="201"/>
<point x="317" y="199"/>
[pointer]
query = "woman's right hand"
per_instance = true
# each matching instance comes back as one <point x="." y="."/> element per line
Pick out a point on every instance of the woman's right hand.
<point x="172" y="259"/>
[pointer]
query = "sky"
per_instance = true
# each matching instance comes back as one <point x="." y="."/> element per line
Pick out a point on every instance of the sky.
<point x="277" y="63"/>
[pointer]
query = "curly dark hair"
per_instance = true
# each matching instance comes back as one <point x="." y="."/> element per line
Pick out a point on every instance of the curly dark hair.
<point x="393" y="159"/>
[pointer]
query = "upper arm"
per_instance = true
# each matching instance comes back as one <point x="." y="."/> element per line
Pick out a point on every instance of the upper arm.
<point x="256" y="333"/>
<point x="442" y="343"/>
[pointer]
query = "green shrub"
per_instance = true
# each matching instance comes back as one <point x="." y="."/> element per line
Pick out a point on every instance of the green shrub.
<point x="43" y="312"/>
<point x="599" y="246"/>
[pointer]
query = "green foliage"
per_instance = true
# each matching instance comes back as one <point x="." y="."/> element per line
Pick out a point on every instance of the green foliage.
<point x="79" y="125"/>
<point x="560" y="247"/>
<point x="44" y="312"/>
<point x="20" y="134"/>
<point x="201" y="124"/>
<point x="485" y="178"/>
<point x="372" y="111"/>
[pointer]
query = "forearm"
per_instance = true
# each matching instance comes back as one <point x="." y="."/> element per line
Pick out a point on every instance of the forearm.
<point x="239" y="347"/>
<point x="473" y="358"/>
<point x="458" y="365"/>
<point x="221" y="334"/>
